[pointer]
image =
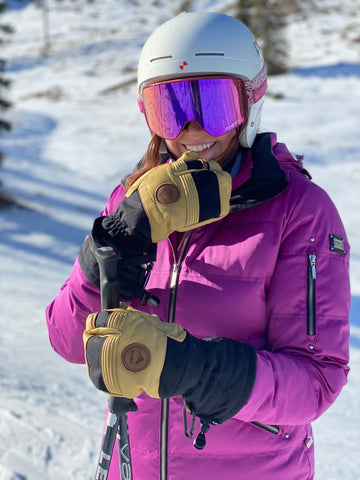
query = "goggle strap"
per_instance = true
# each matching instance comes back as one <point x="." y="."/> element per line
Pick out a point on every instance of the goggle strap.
<point x="256" y="88"/>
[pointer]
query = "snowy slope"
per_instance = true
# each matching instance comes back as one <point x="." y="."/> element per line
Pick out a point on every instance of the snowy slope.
<point x="76" y="132"/>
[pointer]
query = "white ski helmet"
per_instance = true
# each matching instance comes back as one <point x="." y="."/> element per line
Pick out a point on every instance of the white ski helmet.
<point x="207" y="43"/>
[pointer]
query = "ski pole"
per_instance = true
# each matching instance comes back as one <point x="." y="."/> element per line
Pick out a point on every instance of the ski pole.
<point x="116" y="425"/>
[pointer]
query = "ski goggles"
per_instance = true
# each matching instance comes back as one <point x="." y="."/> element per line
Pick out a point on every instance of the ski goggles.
<point x="218" y="104"/>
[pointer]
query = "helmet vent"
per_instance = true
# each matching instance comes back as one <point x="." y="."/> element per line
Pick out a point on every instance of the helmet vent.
<point x="156" y="59"/>
<point x="210" y="54"/>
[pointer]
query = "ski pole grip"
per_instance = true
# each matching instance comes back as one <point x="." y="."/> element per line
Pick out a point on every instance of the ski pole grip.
<point x="107" y="258"/>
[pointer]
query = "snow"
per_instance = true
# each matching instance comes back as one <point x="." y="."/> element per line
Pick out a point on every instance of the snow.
<point x="75" y="135"/>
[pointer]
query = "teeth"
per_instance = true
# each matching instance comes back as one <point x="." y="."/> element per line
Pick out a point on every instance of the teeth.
<point x="199" y="148"/>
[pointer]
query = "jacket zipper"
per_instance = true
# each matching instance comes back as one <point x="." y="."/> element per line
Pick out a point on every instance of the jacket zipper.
<point x="311" y="297"/>
<point x="274" y="429"/>
<point x="164" y="426"/>
<point x="311" y="321"/>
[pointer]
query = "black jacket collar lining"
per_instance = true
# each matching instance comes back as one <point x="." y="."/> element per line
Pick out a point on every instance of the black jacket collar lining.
<point x="267" y="178"/>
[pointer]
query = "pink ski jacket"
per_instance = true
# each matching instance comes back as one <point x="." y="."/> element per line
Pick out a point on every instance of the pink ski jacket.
<point x="273" y="273"/>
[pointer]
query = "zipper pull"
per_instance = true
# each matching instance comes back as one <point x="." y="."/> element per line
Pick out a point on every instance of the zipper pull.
<point x="312" y="258"/>
<point x="176" y="269"/>
<point x="200" y="440"/>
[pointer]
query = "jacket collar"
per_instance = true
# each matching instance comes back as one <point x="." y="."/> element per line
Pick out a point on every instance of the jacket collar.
<point x="260" y="177"/>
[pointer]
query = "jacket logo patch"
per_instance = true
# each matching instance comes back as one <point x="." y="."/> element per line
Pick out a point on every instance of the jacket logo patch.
<point x="337" y="244"/>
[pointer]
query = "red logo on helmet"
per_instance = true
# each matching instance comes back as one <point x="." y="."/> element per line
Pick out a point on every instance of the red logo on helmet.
<point x="182" y="66"/>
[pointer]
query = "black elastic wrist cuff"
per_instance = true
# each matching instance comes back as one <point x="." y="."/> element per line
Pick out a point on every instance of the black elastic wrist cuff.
<point x="182" y="367"/>
<point x="226" y="382"/>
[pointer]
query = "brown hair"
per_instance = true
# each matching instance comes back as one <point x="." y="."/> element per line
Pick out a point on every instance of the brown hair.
<point x="151" y="160"/>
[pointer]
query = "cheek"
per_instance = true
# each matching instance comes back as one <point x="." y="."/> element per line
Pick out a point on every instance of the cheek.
<point x="229" y="138"/>
<point x="227" y="147"/>
<point x="171" y="144"/>
<point x="174" y="147"/>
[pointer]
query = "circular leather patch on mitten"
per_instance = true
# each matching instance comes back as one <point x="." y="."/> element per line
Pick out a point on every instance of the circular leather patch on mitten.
<point x="136" y="357"/>
<point x="167" y="193"/>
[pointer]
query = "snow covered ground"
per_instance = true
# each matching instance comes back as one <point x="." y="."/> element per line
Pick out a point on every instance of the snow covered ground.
<point x="76" y="132"/>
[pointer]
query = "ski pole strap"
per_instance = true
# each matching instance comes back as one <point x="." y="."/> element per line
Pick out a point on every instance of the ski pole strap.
<point x="190" y="433"/>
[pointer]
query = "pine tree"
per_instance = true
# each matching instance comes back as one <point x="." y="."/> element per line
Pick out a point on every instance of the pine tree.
<point x="245" y="12"/>
<point x="5" y="30"/>
<point x="5" y="125"/>
<point x="267" y="20"/>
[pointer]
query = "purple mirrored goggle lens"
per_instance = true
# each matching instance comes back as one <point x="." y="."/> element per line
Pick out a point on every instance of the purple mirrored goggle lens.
<point x="217" y="104"/>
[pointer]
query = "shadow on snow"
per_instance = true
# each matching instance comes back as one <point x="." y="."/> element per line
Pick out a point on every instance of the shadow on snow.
<point x="329" y="71"/>
<point x="24" y="147"/>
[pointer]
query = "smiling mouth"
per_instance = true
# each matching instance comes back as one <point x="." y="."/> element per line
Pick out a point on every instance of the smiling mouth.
<point x="199" y="148"/>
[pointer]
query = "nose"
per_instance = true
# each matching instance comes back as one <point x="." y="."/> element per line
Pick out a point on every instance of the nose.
<point x="192" y="126"/>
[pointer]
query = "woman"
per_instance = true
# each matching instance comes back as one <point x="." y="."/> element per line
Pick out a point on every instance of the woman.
<point x="258" y="265"/>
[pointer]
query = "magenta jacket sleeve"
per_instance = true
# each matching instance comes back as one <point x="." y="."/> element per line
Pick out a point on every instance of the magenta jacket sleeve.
<point x="66" y="315"/>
